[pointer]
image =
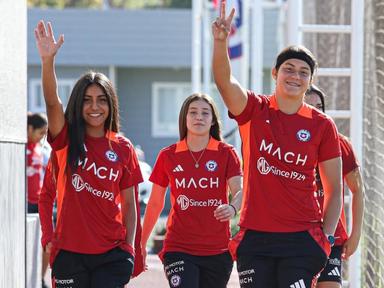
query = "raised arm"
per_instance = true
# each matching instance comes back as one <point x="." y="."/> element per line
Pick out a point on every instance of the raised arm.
<point x="234" y="96"/>
<point x="48" y="47"/>
<point x="355" y="184"/>
<point x="330" y="174"/>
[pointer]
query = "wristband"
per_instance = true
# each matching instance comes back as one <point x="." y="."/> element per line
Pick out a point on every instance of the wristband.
<point x="234" y="208"/>
<point x="331" y="239"/>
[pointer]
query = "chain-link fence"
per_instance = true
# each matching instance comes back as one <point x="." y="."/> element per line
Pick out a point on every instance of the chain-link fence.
<point x="373" y="233"/>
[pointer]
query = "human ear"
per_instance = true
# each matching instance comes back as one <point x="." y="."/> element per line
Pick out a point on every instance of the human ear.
<point x="30" y="129"/>
<point x="274" y="73"/>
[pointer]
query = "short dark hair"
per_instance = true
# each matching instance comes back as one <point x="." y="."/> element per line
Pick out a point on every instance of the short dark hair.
<point x="314" y="89"/>
<point x="297" y="52"/>
<point x="215" y="131"/>
<point x="36" y="120"/>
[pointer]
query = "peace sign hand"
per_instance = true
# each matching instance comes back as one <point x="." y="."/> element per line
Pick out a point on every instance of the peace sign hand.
<point x="222" y="26"/>
<point x="45" y="41"/>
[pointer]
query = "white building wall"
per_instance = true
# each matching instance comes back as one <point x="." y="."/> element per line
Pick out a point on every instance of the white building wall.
<point x="13" y="100"/>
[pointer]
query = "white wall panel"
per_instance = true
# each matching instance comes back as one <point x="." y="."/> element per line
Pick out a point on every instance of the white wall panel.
<point x="13" y="70"/>
<point x="13" y="103"/>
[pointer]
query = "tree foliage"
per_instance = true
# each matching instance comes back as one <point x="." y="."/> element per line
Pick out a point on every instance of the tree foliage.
<point x="65" y="3"/>
<point x="122" y="4"/>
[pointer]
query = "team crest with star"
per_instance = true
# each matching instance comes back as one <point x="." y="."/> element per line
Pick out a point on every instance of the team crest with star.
<point x="211" y="165"/>
<point x="303" y="135"/>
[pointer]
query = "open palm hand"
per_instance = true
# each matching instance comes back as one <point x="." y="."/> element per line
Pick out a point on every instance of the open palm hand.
<point x="45" y="40"/>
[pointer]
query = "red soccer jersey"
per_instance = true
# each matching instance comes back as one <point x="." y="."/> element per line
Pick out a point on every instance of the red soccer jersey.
<point x="88" y="212"/>
<point x="34" y="170"/>
<point x="350" y="163"/>
<point x="280" y="153"/>
<point x="195" y="194"/>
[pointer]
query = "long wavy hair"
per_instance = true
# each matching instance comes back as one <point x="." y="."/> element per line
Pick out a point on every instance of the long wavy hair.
<point x="215" y="130"/>
<point x="74" y="114"/>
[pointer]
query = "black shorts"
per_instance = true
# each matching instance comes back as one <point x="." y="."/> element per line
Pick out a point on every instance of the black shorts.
<point x="189" y="271"/>
<point x="279" y="260"/>
<point x="332" y="271"/>
<point x="112" y="269"/>
<point x="33" y="208"/>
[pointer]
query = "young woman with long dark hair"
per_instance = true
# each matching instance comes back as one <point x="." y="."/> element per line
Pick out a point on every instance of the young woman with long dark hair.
<point x="97" y="172"/>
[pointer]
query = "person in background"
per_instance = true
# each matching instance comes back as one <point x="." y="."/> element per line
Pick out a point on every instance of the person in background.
<point x="97" y="176"/>
<point x="140" y="153"/>
<point x="284" y="238"/>
<point x="345" y="246"/>
<point x="199" y="169"/>
<point x="37" y="129"/>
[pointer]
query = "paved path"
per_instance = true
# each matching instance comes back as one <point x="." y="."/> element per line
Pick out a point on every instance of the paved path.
<point x="155" y="278"/>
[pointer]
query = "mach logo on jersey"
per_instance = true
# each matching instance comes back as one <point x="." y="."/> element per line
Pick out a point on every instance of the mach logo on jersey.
<point x="184" y="202"/>
<point x="100" y="172"/>
<point x="202" y="183"/>
<point x="79" y="184"/>
<point x="264" y="169"/>
<point x="287" y="157"/>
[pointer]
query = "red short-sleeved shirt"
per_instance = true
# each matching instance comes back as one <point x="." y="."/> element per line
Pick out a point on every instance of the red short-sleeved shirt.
<point x="89" y="217"/>
<point x="34" y="170"/>
<point x="195" y="194"/>
<point x="350" y="163"/>
<point x="280" y="153"/>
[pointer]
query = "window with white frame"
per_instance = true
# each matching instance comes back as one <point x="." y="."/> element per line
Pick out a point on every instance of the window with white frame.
<point x="36" y="97"/>
<point x="167" y="98"/>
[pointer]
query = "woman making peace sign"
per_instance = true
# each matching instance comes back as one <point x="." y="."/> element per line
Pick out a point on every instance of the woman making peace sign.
<point x="284" y="241"/>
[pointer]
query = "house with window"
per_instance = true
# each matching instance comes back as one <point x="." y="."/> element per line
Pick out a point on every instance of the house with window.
<point x="147" y="55"/>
